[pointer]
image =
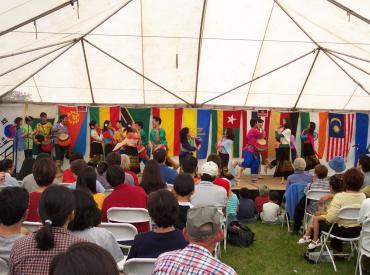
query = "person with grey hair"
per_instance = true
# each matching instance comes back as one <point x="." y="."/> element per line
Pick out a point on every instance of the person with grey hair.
<point x="203" y="231"/>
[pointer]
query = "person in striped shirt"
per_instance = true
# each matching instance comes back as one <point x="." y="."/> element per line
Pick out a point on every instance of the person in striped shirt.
<point x="321" y="172"/>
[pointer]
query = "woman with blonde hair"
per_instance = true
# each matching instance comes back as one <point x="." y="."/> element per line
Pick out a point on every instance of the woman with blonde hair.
<point x="125" y="165"/>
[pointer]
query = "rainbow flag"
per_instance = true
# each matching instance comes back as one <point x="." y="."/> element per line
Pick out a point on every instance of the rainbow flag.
<point x="77" y="126"/>
<point x="171" y="123"/>
<point x="198" y="122"/>
<point x="101" y="114"/>
<point x="226" y="119"/>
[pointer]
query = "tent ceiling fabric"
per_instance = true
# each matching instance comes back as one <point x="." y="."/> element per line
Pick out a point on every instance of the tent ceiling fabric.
<point x="311" y="54"/>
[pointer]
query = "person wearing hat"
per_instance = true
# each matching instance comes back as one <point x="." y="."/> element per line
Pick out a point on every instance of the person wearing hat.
<point x="338" y="164"/>
<point x="203" y="231"/>
<point x="299" y="175"/>
<point x="206" y="192"/>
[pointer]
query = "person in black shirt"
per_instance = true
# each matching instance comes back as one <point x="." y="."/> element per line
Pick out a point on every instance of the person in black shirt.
<point x="183" y="189"/>
<point x="247" y="212"/>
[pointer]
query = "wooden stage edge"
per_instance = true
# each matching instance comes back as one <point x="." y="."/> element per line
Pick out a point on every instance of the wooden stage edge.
<point x="270" y="181"/>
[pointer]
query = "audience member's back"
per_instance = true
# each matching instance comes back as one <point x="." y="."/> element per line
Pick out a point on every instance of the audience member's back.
<point x="168" y="174"/>
<point x="163" y="209"/>
<point x="271" y="209"/>
<point x="189" y="166"/>
<point x="152" y="180"/>
<point x="13" y="207"/>
<point x="247" y="209"/>
<point x="183" y="189"/>
<point x="364" y="164"/>
<point x="262" y="198"/>
<point x="68" y="176"/>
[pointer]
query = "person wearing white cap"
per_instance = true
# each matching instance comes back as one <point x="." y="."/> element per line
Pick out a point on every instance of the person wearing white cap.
<point x="206" y="192"/>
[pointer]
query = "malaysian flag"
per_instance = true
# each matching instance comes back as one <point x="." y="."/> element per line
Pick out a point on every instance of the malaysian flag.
<point x="340" y="135"/>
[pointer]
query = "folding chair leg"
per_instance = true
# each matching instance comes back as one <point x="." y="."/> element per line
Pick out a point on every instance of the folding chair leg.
<point x="358" y="264"/>
<point x="331" y="257"/>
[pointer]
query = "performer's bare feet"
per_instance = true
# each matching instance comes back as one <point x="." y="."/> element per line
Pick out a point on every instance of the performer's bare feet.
<point x="265" y="168"/>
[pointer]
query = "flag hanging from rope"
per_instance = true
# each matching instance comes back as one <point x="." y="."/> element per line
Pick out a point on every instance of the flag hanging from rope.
<point x="101" y="114"/>
<point x="361" y="136"/>
<point x="340" y="135"/>
<point x="130" y="115"/>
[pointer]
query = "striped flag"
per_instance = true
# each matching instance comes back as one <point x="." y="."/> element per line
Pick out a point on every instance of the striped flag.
<point x="171" y="123"/>
<point x="101" y="114"/>
<point x="340" y="135"/>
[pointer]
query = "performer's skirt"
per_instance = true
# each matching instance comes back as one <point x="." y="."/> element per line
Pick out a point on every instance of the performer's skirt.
<point x="224" y="160"/>
<point x="309" y="155"/>
<point x="284" y="166"/>
<point x="108" y="148"/>
<point x="96" y="149"/>
<point x="134" y="158"/>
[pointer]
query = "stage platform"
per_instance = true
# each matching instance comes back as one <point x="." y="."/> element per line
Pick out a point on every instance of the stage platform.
<point x="270" y="181"/>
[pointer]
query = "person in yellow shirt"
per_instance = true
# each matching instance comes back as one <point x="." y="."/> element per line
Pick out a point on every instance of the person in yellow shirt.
<point x="120" y="133"/>
<point x="43" y="133"/>
<point x="86" y="180"/>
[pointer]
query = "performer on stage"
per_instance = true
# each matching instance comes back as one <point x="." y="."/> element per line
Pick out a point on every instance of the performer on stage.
<point x="308" y="138"/>
<point x="224" y="149"/>
<point x="157" y="135"/>
<point x="130" y="149"/>
<point x="96" y="143"/>
<point x="284" y="166"/>
<point x="108" y="134"/>
<point x="61" y="141"/>
<point x="189" y="144"/>
<point x="120" y="133"/>
<point x="252" y="157"/>
<point x="28" y="131"/>
<point x="18" y="143"/>
<point x="43" y="135"/>
<point x="143" y="148"/>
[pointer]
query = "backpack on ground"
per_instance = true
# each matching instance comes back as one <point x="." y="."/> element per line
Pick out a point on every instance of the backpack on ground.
<point x="239" y="234"/>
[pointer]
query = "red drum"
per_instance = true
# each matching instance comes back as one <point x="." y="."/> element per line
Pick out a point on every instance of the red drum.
<point x="46" y="147"/>
<point x="141" y="150"/>
<point x="261" y="145"/>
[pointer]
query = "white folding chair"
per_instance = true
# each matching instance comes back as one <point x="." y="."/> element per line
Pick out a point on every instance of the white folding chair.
<point x="286" y="220"/>
<point x="363" y="249"/>
<point x="122" y="232"/>
<point x="128" y="215"/>
<point x="4" y="267"/>
<point x="107" y="192"/>
<point x="349" y="213"/>
<point x="222" y="210"/>
<point x="313" y="195"/>
<point x="139" y="266"/>
<point x="32" y="226"/>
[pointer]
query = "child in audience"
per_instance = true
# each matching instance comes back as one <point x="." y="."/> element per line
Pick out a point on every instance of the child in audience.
<point x="321" y="173"/>
<point x="271" y="209"/>
<point x="33" y="254"/>
<point x="232" y="207"/>
<point x="183" y="188"/>
<point x="7" y="167"/>
<point x="68" y="176"/>
<point x="335" y="186"/>
<point x="13" y="211"/>
<point x="247" y="212"/>
<point x="189" y="166"/>
<point x="163" y="209"/>
<point x="263" y="197"/>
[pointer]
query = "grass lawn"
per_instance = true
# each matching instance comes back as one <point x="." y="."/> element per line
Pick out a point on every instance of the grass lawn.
<point x="275" y="252"/>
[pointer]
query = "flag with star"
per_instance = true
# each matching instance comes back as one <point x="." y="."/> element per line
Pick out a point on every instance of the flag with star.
<point x="222" y="119"/>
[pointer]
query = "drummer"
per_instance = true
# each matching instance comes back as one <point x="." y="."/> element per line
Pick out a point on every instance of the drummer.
<point x="43" y="131"/>
<point x="251" y="155"/>
<point x="60" y="129"/>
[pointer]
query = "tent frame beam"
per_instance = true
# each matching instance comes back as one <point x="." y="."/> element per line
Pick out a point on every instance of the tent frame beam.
<point x="87" y="71"/>
<point x="306" y="80"/>
<point x="346" y="54"/>
<point x="349" y="63"/>
<point x="41" y="15"/>
<point x="260" y="76"/>
<point x="135" y="71"/>
<point x="202" y="21"/>
<point x="349" y="11"/>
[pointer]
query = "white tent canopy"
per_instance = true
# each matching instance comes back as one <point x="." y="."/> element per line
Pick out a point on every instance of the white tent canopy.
<point x="286" y="54"/>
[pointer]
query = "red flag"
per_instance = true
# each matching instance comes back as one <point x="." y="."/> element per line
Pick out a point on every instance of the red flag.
<point x="232" y="119"/>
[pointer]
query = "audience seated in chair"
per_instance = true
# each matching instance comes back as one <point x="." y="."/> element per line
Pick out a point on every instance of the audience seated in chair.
<point x="220" y="180"/>
<point x="183" y="189"/>
<point x="247" y="212"/>
<point x="168" y="174"/>
<point x="353" y="180"/>
<point x="152" y="180"/>
<point x="29" y="182"/>
<point x="364" y="166"/>
<point x="163" y="209"/>
<point x="68" y="176"/>
<point x="7" y="167"/>
<point x="189" y="165"/>
<point x="124" y="195"/>
<point x="83" y="259"/>
<point x="203" y="231"/>
<point x="44" y="172"/>
<point x="263" y="197"/>
<point x="87" y="180"/>
<point x="13" y="211"/>
<point x="206" y="192"/>
<point x="299" y="175"/>
<point x="232" y="207"/>
<point x="271" y="209"/>
<point x="33" y="254"/>
<point x="125" y="164"/>
<point x="337" y="166"/>
<point x="86" y="224"/>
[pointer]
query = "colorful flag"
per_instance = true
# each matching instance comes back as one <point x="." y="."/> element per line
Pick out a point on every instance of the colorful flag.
<point x="198" y="122"/>
<point x="130" y="115"/>
<point x="274" y="124"/>
<point x="323" y="128"/>
<point x="340" y="135"/>
<point x="101" y="114"/>
<point x="362" y="124"/>
<point x="77" y="127"/>
<point x="171" y="123"/>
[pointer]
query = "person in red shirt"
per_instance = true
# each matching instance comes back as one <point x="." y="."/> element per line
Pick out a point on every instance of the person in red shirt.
<point x="68" y="176"/>
<point x="124" y="195"/>
<point x="262" y="198"/>
<point x="220" y="181"/>
<point x="44" y="171"/>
